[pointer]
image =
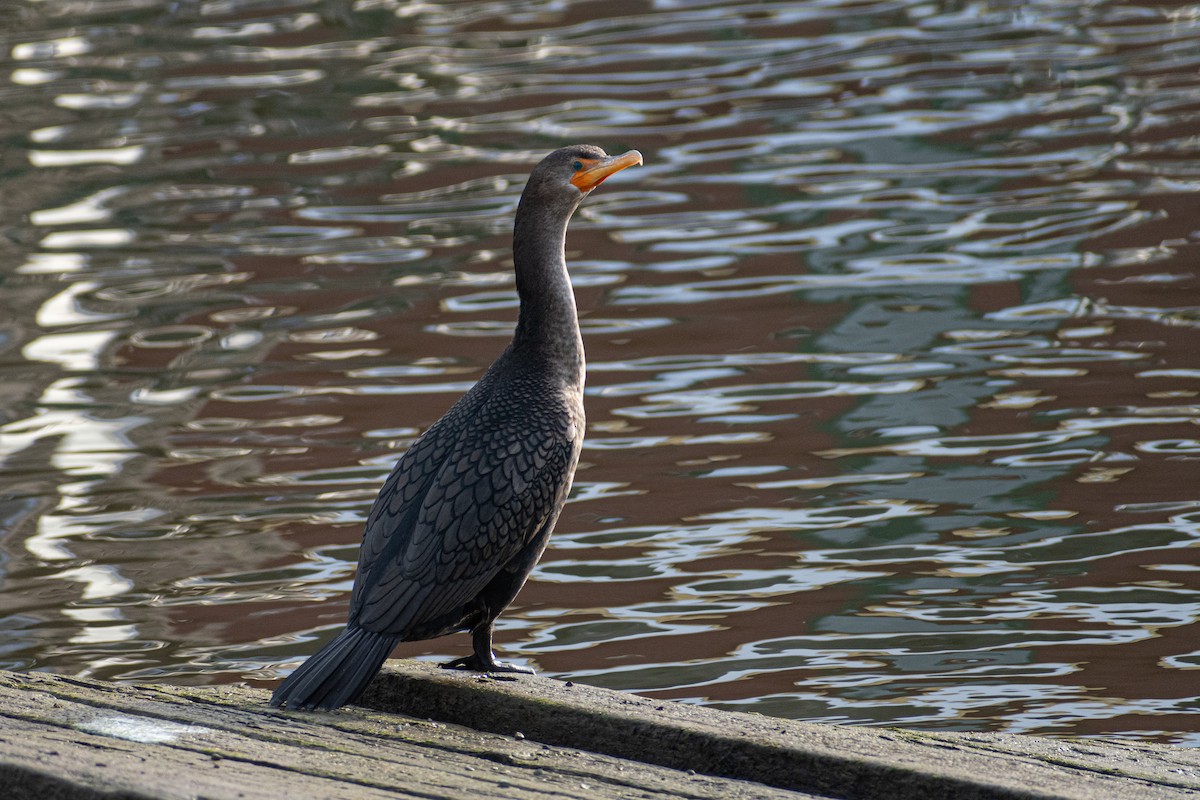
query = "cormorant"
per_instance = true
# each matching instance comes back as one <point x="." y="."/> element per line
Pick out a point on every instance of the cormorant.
<point x="467" y="511"/>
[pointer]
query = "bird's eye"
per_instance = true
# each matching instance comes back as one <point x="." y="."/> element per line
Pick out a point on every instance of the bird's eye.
<point x="578" y="165"/>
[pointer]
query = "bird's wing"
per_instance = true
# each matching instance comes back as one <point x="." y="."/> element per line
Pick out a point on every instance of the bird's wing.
<point x="458" y="507"/>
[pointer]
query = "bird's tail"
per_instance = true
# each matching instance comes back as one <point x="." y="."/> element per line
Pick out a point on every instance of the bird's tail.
<point x="338" y="673"/>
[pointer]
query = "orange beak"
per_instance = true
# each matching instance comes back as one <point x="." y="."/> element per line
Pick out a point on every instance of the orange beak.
<point x="595" y="170"/>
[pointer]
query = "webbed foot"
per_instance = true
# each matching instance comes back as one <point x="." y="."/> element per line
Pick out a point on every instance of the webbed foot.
<point x="474" y="663"/>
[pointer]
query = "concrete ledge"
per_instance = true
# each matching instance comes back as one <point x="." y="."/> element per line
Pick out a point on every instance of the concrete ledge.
<point x="834" y="761"/>
<point x="430" y="733"/>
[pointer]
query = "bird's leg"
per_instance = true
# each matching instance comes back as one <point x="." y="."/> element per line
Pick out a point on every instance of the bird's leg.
<point x="483" y="659"/>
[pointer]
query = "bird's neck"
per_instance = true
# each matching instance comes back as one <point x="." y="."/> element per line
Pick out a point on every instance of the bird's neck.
<point x="548" y="325"/>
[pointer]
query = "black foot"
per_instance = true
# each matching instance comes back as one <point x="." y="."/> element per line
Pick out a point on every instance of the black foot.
<point x="476" y="664"/>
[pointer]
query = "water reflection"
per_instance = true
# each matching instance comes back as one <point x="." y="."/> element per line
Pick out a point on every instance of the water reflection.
<point x="889" y="342"/>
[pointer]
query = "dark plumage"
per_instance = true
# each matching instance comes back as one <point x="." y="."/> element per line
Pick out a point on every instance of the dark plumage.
<point x="467" y="511"/>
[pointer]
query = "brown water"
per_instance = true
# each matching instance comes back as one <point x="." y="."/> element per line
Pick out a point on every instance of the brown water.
<point x="893" y="376"/>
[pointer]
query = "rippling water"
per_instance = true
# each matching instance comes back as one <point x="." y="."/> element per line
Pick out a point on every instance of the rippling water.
<point x="893" y="372"/>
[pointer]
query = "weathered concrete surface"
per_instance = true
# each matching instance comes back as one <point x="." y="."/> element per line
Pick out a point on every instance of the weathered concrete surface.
<point x="526" y="738"/>
<point x="70" y="738"/>
<point x="836" y="761"/>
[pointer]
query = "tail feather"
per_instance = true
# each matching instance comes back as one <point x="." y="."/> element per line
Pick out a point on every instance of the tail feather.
<point x="338" y="673"/>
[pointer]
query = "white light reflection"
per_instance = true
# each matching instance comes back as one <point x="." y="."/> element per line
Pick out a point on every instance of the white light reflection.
<point x="69" y="158"/>
<point x="52" y="263"/>
<point x="65" y="309"/>
<point x="85" y="449"/>
<point x="89" y="209"/>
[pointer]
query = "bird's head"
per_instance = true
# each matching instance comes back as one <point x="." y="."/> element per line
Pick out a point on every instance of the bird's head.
<point x="567" y="175"/>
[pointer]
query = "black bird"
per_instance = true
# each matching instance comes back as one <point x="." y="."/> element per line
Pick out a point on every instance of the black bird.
<point x="467" y="511"/>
